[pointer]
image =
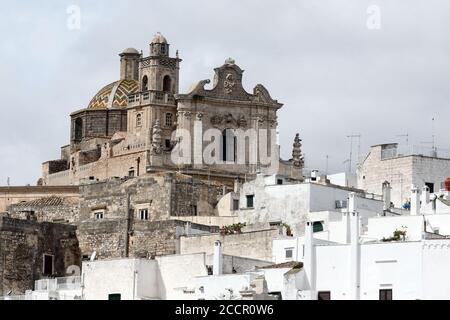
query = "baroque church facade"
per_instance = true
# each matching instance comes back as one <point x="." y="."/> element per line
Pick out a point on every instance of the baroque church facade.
<point x="129" y="127"/>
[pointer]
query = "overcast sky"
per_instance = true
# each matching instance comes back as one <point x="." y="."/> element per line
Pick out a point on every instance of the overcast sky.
<point x="335" y="76"/>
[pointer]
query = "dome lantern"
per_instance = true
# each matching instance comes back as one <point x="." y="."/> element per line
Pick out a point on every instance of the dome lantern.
<point x="159" y="46"/>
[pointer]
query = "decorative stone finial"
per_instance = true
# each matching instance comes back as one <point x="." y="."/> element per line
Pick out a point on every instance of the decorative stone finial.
<point x="230" y="61"/>
<point x="297" y="152"/>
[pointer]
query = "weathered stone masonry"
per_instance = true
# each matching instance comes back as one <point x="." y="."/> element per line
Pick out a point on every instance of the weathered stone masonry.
<point x="22" y="247"/>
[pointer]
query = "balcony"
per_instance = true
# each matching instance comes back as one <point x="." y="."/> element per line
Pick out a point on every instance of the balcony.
<point x="151" y="97"/>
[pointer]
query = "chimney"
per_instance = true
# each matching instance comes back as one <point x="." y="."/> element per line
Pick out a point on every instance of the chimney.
<point x="386" y="196"/>
<point x="425" y="197"/>
<point x="314" y="175"/>
<point x="354" y="256"/>
<point x="187" y="228"/>
<point x="352" y="202"/>
<point x="415" y="201"/>
<point x="217" y="262"/>
<point x="309" y="257"/>
<point x="346" y="226"/>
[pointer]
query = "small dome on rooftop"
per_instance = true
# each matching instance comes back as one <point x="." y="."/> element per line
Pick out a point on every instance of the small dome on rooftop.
<point x="131" y="50"/>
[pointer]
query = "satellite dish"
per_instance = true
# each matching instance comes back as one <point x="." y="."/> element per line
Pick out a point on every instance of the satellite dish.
<point x="94" y="254"/>
<point x="73" y="271"/>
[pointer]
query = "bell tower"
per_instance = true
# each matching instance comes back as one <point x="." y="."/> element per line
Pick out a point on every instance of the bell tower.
<point x="160" y="72"/>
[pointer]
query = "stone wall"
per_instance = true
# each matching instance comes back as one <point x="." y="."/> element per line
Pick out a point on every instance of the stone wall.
<point x="99" y="123"/>
<point x="49" y="209"/>
<point x="57" y="166"/>
<point x="89" y="156"/>
<point x="165" y="195"/>
<point x="194" y="197"/>
<point x="107" y="238"/>
<point x="143" y="239"/>
<point x="254" y="245"/>
<point x="22" y="246"/>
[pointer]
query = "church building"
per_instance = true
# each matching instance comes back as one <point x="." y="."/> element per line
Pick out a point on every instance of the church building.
<point x="132" y="126"/>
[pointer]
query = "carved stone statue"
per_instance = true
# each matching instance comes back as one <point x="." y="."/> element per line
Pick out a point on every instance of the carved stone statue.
<point x="242" y="122"/>
<point x="229" y="119"/>
<point x="156" y="138"/>
<point x="216" y="119"/>
<point x="297" y="152"/>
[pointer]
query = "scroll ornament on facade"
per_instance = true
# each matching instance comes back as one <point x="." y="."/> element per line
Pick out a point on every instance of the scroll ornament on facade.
<point x="229" y="83"/>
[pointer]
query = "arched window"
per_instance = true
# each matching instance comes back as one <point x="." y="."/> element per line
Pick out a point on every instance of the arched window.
<point x="167" y="84"/>
<point x="229" y="143"/>
<point x="139" y="120"/>
<point x="317" y="226"/>
<point x="145" y="83"/>
<point x="78" y="135"/>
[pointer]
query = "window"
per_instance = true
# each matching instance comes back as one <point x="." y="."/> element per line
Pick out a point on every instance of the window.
<point x="168" y="144"/>
<point x="99" y="215"/>
<point x="115" y="296"/>
<point x="250" y="200"/>
<point x="341" y="204"/>
<point x="235" y="204"/>
<point x="288" y="253"/>
<point x="143" y="214"/>
<point x="167" y="84"/>
<point x="385" y="294"/>
<point x="317" y="226"/>
<point x="47" y="268"/>
<point x="193" y="210"/>
<point x="229" y="145"/>
<point x="430" y="186"/>
<point x="78" y="134"/>
<point x="324" y="295"/>
<point x="279" y="181"/>
<point x="163" y="49"/>
<point x="131" y="173"/>
<point x="139" y="120"/>
<point x="210" y="270"/>
<point x="169" y="120"/>
<point x="145" y="83"/>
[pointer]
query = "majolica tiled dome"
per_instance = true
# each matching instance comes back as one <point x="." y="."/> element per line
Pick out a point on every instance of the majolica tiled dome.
<point x="114" y="95"/>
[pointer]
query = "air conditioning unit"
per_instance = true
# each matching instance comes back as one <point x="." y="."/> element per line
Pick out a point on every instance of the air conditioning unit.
<point x="341" y="204"/>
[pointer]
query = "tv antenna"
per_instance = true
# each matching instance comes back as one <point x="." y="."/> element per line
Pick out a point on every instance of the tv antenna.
<point x="406" y="136"/>
<point x="351" y="149"/>
<point x="433" y="140"/>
